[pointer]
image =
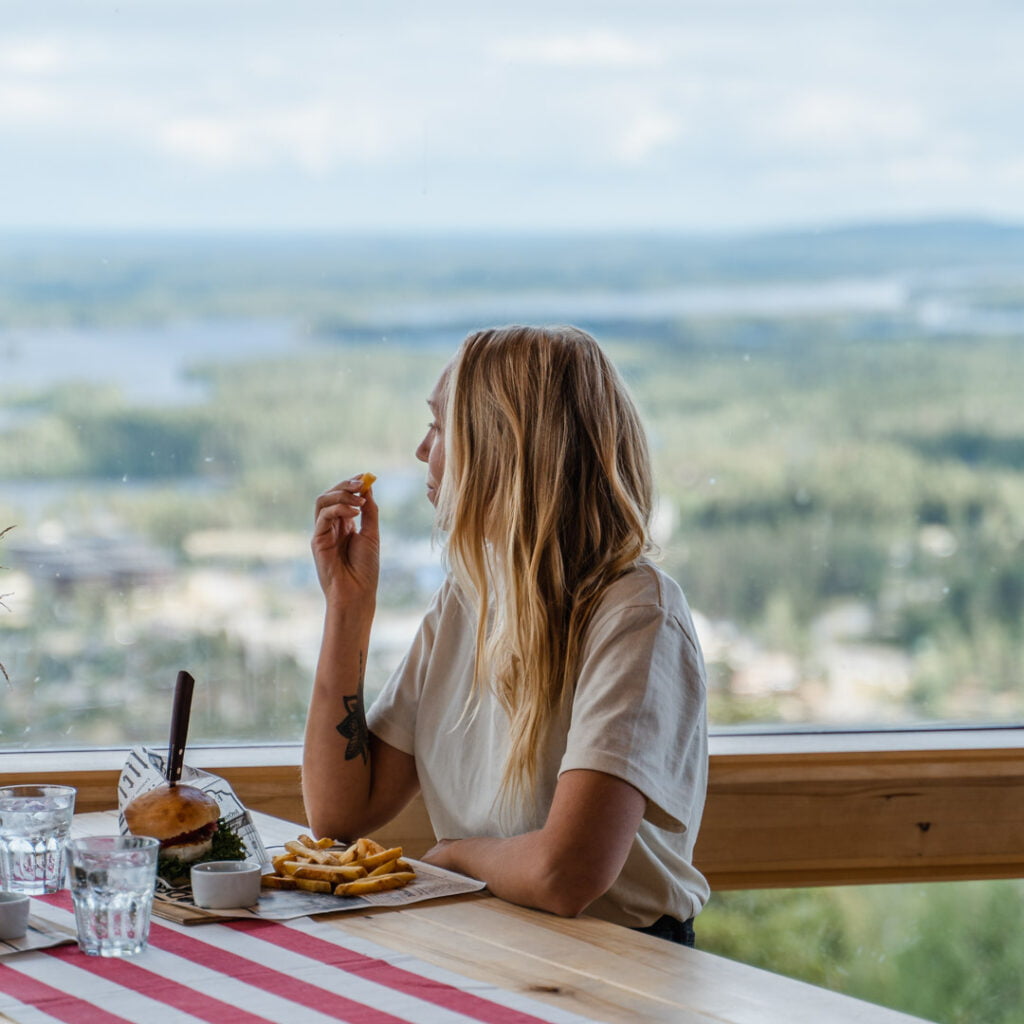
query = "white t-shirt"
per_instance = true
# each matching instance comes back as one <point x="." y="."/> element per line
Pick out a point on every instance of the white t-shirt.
<point x="638" y="713"/>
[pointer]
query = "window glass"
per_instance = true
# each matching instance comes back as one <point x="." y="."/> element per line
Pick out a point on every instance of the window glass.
<point x="947" y="952"/>
<point x="240" y="241"/>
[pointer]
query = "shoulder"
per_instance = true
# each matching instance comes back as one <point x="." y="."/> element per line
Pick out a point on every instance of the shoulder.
<point x="446" y="602"/>
<point x="645" y="593"/>
<point x="449" y="622"/>
<point x="644" y="584"/>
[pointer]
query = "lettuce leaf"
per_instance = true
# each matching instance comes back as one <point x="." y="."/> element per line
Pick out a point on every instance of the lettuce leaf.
<point x="227" y="845"/>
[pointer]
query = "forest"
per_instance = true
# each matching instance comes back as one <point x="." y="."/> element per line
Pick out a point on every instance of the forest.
<point x="838" y="439"/>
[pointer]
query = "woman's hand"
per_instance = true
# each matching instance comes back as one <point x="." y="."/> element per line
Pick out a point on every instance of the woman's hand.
<point x="347" y="553"/>
<point x="435" y="855"/>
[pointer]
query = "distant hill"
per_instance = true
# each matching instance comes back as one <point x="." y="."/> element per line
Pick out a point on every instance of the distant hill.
<point x="871" y="248"/>
<point x="103" y="278"/>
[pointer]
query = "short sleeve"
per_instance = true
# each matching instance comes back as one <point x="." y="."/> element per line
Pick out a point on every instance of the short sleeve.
<point x="392" y="716"/>
<point x="640" y="709"/>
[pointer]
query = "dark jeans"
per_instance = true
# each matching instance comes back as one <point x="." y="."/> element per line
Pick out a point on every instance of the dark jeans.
<point x="671" y="928"/>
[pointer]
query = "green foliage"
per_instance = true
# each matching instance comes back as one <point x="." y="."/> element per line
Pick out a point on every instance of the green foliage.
<point x="802" y="933"/>
<point x="947" y="952"/>
<point x="98" y="681"/>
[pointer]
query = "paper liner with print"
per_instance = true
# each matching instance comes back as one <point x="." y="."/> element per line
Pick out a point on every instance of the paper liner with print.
<point x="144" y="770"/>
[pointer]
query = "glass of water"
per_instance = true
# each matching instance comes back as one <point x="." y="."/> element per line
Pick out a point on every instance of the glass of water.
<point x="34" y="825"/>
<point x="112" y="881"/>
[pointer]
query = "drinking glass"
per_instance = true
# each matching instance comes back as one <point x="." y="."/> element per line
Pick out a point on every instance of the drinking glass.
<point x="34" y="825"/>
<point x="112" y="881"/>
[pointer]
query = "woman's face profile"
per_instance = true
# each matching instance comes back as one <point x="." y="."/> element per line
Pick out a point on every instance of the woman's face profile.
<point x="431" y="448"/>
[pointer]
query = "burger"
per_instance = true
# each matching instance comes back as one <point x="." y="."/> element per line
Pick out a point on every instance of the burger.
<point x="183" y="818"/>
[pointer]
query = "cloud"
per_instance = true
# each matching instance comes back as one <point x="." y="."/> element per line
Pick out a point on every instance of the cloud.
<point x="598" y="48"/>
<point x="27" y="104"/>
<point x="314" y="138"/>
<point x="1010" y="172"/>
<point x="27" y="68"/>
<point x="31" y="57"/>
<point x="712" y="112"/>
<point x="839" y="120"/>
<point x="931" y="169"/>
<point x="648" y="132"/>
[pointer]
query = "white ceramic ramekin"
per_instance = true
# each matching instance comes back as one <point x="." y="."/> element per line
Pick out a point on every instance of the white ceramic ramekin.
<point x="13" y="914"/>
<point x="226" y="884"/>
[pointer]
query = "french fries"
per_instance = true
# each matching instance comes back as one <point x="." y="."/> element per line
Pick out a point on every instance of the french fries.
<point x="325" y="872"/>
<point x="319" y="865"/>
<point x="378" y="884"/>
<point x="368" y="480"/>
<point x="309" y="884"/>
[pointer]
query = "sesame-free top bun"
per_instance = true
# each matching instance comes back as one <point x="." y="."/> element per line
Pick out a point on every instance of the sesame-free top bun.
<point x="169" y="812"/>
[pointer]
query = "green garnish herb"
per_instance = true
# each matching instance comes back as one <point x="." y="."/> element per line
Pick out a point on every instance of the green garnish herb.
<point x="227" y="845"/>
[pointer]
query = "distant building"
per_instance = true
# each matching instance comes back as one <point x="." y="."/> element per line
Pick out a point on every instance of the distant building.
<point x="70" y="560"/>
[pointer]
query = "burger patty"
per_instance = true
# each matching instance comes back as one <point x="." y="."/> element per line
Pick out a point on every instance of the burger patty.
<point x="199" y="835"/>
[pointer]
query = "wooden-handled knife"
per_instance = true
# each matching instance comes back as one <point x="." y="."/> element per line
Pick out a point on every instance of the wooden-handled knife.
<point x="180" y="713"/>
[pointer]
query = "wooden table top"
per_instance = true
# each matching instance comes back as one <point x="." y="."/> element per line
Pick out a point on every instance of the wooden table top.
<point x="601" y="970"/>
<point x="598" y="970"/>
<point x="593" y="968"/>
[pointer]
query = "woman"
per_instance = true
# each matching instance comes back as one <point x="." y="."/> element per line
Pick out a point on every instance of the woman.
<point x="551" y="709"/>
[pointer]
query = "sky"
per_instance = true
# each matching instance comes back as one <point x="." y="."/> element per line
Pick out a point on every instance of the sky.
<point x="339" y="115"/>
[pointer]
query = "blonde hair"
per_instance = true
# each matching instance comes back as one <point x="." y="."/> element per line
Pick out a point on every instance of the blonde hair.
<point x="546" y="499"/>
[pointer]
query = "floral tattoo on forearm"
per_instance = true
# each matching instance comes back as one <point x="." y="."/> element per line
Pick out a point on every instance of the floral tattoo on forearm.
<point x="353" y="726"/>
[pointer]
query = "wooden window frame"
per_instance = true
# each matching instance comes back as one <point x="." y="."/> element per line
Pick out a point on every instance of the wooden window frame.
<point x="783" y="809"/>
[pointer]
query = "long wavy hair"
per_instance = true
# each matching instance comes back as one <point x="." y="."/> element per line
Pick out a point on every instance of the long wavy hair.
<point x="546" y="499"/>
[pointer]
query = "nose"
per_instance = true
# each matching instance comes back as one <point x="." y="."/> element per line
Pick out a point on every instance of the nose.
<point x="423" y="451"/>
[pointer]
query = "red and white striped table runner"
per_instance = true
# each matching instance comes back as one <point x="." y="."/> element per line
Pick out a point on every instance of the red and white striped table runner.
<point x="251" y="972"/>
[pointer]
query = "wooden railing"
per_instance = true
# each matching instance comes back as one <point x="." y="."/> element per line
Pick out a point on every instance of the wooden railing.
<point x="793" y="817"/>
<point x="828" y="809"/>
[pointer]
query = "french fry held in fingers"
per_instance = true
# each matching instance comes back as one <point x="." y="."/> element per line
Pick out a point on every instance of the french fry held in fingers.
<point x="368" y="481"/>
<point x="319" y="865"/>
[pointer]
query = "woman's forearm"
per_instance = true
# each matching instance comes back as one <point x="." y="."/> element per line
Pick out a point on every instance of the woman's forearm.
<point x="571" y="861"/>
<point x="524" y="869"/>
<point x="336" y="763"/>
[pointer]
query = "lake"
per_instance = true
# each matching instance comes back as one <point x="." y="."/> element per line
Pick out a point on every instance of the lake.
<point x="148" y="363"/>
<point x="151" y="362"/>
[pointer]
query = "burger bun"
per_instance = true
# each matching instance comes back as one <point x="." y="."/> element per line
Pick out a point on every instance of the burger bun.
<point x="183" y="818"/>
